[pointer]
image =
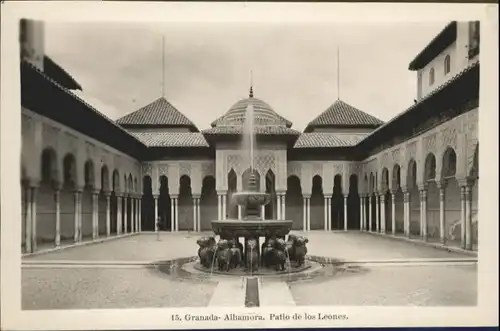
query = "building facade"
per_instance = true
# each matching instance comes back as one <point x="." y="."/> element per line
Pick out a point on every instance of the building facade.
<point x="86" y="177"/>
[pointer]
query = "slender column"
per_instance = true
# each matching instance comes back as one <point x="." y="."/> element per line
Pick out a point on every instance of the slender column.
<point x="262" y="212"/>
<point x="361" y="214"/>
<point x="462" y="215"/>
<point x="108" y="214"/>
<point x="172" y="214"/>
<point x="370" y="213"/>
<point x="33" y="219"/>
<point x="407" y="213"/>
<point x="345" y="212"/>
<point x="423" y="217"/>
<point x="118" y="215"/>
<point x="135" y="228"/>
<point x="126" y="216"/>
<point x="329" y="228"/>
<point x="77" y="230"/>
<point x="308" y="213"/>
<point x="377" y="212"/>
<point x="326" y="213"/>
<point x="140" y="215"/>
<point x="57" y="199"/>
<point x="278" y="206"/>
<point x="468" y="217"/>
<point x="382" y="213"/>
<point x="176" y="200"/>
<point x="283" y="207"/>
<point x="27" y="220"/>
<point x="156" y="213"/>
<point x="95" y="214"/>
<point x="442" y="214"/>
<point x="393" y="212"/>
<point x="198" y="218"/>
<point x="304" y="216"/>
<point x="195" y="213"/>
<point x="132" y="214"/>
<point x="240" y="215"/>
<point x="219" y="206"/>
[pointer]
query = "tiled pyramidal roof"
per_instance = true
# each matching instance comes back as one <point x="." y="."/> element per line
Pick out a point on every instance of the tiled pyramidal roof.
<point x="158" y="113"/>
<point x="341" y="114"/>
<point x="328" y="139"/>
<point x="171" y="139"/>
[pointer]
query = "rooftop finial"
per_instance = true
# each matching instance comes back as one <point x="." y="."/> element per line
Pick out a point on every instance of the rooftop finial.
<point x="251" y="84"/>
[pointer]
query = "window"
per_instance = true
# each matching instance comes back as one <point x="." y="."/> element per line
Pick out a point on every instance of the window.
<point x="447" y="65"/>
<point x="474" y="35"/>
<point x="431" y="76"/>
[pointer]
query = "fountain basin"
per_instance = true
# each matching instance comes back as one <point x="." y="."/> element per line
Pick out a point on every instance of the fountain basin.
<point x="251" y="199"/>
<point x="251" y="228"/>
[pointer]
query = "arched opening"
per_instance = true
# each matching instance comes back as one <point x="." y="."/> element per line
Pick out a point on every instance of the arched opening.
<point x="447" y="64"/>
<point x="353" y="217"/>
<point x="232" y="185"/>
<point x="67" y="199"/>
<point x="398" y="200"/>
<point x="46" y="206"/>
<point x="317" y="204"/>
<point x="87" y="200"/>
<point x="147" y="205"/>
<point x="208" y="203"/>
<point x="294" y="202"/>
<point x="414" y="198"/>
<point x="129" y="206"/>
<point x="453" y="226"/>
<point x="337" y="216"/>
<point x="114" y="202"/>
<point x="433" y="228"/>
<point x="432" y="77"/>
<point x="164" y="207"/>
<point x="373" y="204"/>
<point x="105" y="189"/>
<point x="270" y="210"/>
<point x="186" y="221"/>
<point x="366" y="205"/>
<point x="387" y="201"/>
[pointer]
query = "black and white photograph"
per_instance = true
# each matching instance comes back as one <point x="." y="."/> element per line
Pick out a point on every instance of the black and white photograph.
<point x="244" y="170"/>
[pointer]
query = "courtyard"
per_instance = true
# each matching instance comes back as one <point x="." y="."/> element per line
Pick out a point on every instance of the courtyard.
<point x="376" y="270"/>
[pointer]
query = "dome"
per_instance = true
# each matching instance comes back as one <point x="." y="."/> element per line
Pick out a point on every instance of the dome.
<point x="264" y="114"/>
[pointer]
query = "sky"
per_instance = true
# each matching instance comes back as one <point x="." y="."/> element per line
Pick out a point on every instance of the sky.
<point x="207" y="65"/>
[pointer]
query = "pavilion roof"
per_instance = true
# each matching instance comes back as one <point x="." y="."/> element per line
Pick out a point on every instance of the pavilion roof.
<point x="171" y="139"/>
<point x="327" y="139"/>
<point x="57" y="73"/>
<point x="159" y="113"/>
<point x="341" y="114"/>
<point x="267" y="130"/>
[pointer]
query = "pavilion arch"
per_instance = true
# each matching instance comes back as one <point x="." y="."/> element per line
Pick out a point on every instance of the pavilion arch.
<point x="396" y="177"/>
<point x="148" y="205"/>
<point x="353" y="203"/>
<point x="130" y="183"/>
<point x="411" y="175"/>
<point x="185" y="212"/>
<point x="366" y="186"/>
<point x="105" y="179"/>
<point x="270" y="210"/>
<point x="337" y="214"/>
<point x="69" y="170"/>
<point x="449" y="163"/>
<point x="373" y="205"/>
<point x="245" y="176"/>
<point x="294" y="202"/>
<point x="208" y="203"/>
<point x="411" y="182"/>
<point x="385" y="181"/>
<point x="164" y="206"/>
<point x="49" y="169"/>
<point x="116" y="181"/>
<point x="136" y="188"/>
<point x="317" y="204"/>
<point x="474" y="171"/>
<point x="89" y="175"/>
<point x="125" y="183"/>
<point x="67" y="197"/>
<point x="430" y="168"/>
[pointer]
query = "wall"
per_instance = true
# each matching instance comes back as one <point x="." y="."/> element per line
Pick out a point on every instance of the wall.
<point x="343" y="130"/>
<point x="157" y="130"/>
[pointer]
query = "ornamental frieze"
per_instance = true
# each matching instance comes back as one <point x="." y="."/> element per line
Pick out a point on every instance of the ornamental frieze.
<point x="207" y="169"/>
<point x="147" y="170"/>
<point x="90" y="150"/>
<point x="293" y="169"/>
<point x="448" y="137"/>
<point x="411" y="151"/>
<point x="317" y="169"/>
<point x="162" y="170"/>
<point x="396" y="156"/>
<point x="184" y="169"/>
<point x="50" y="136"/>
<point x="338" y="168"/>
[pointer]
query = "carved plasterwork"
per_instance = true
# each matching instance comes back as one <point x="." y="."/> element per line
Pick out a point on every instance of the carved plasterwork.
<point x="72" y="142"/>
<point x="355" y="169"/>
<point x="26" y="125"/>
<point x="90" y="150"/>
<point x="184" y="169"/>
<point x="162" y="170"/>
<point x="396" y="156"/>
<point x="430" y="143"/>
<point x="471" y="148"/>
<point x="411" y="151"/>
<point x="234" y="162"/>
<point x="338" y="168"/>
<point x="293" y="169"/>
<point x="207" y="169"/>
<point x="317" y="169"/>
<point x="147" y="170"/>
<point x="448" y="137"/>
<point x="384" y="159"/>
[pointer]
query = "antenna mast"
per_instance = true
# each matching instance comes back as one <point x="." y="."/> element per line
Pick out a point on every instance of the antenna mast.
<point x="163" y="66"/>
<point x="338" y="73"/>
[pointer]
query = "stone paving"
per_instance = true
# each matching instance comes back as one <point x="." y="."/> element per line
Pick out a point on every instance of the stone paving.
<point x="428" y="276"/>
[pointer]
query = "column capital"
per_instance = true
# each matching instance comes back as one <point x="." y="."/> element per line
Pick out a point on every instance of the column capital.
<point x="422" y="187"/>
<point x="346" y="196"/>
<point x="78" y="189"/>
<point x="174" y="196"/>
<point x="306" y="196"/>
<point x="107" y="193"/>
<point x="393" y="192"/>
<point x="196" y="196"/>
<point x="404" y="189"/>
<point x="156" y="196"/>
<point x="465" y="182"/>
<point x="222" y="192"/>
<point x="382" y="197"/>
<point x="327" y="196"/>
<point x="96" y="192"/>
